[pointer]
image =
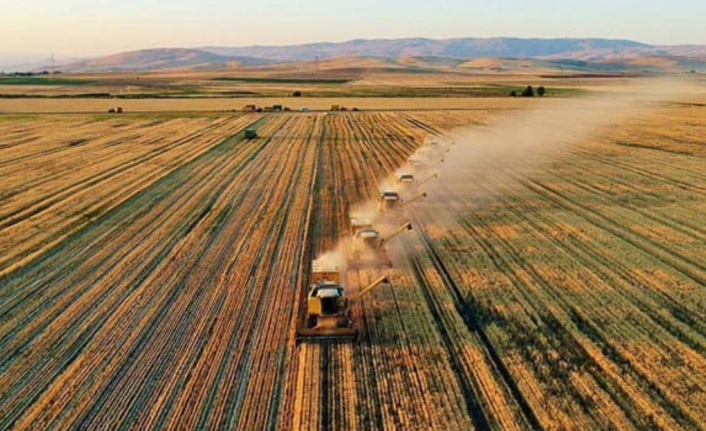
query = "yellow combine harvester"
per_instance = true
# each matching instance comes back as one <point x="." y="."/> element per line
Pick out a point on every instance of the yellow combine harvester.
<point x="390" y="202"/>
<point x="368" y="247"/>
<point x="328" y="308"/>
<point x="409" y="182"/>
<point x="405" y="178"/>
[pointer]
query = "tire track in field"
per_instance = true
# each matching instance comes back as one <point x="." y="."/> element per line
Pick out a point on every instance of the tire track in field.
<point x="685" y="265"/>
<point x="617" y="273"/>
<point x="678" y="308"/>
<point x="470" y="393"/>
<point x="585" y="325"/>
<point x="694" y="188"/>
<point x="468" y="312"/>
<point x="614" y="273"/>
<point x="357" y="141"/>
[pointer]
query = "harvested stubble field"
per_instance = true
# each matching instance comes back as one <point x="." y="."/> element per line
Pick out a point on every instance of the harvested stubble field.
<point x="151" y="270"/>
<point x="83" y="106"/>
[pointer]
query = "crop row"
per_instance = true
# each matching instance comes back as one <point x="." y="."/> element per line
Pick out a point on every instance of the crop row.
<point x="152" y="270"/>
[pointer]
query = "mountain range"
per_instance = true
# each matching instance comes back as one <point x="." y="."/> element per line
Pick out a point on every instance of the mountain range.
<point x="422" y="47"/>
<point x="214" y="57"/>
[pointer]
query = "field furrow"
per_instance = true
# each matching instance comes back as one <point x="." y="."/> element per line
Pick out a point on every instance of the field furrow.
<point x="153" y="269"/>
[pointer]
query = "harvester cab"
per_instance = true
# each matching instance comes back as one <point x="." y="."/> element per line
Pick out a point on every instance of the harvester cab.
<point x="328" y="308"/>
<point x="409" y="183"/>
<point x="405" y="178"/>
<point x="366" y="239"/>
<point x="389" y="201"/>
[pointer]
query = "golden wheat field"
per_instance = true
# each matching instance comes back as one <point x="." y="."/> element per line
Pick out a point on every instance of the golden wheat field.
<point x="152" y="268"/>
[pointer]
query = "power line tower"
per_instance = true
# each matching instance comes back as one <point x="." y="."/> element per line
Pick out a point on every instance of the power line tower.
<point x="52" y="63"/>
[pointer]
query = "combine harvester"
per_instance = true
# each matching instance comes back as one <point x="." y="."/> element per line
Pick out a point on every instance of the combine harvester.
<point x="390" y="202"/>
<point x="405" y="178"/>
<point x="368" y="246"/>
<point x="408" y="182"/>
<point x="251" y="133"/>
<point x="328" y="308"/>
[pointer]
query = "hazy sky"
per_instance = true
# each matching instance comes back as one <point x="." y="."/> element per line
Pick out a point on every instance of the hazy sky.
<point x="89" y="27"/>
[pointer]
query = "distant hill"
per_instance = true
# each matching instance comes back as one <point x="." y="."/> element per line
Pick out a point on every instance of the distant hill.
<point x="421" y="47"/>
<point x="416" y="53"/>
<point x="620" y="65"/>
<point x="159" y="59"/>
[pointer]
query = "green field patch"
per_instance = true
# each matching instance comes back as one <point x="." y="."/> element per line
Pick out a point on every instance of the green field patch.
<point x="37" y="80"/>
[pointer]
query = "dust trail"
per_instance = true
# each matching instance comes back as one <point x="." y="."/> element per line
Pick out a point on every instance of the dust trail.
<point x="487" y="160"/>
<point x="336" y="258"/>
<point x="478" y="161"/>
<point x="491" y="157"/>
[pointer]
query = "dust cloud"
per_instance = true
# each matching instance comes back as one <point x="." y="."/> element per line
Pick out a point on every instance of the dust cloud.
<point x="486" y="158"/>
<point x="469" y="166"/>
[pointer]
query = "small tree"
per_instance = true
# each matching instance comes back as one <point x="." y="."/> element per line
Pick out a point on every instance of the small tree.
<point x="541" y="91"/>
<point x="513" y="93"/>
<point x="297" y="94"/>
<point x="528" y="92"/>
